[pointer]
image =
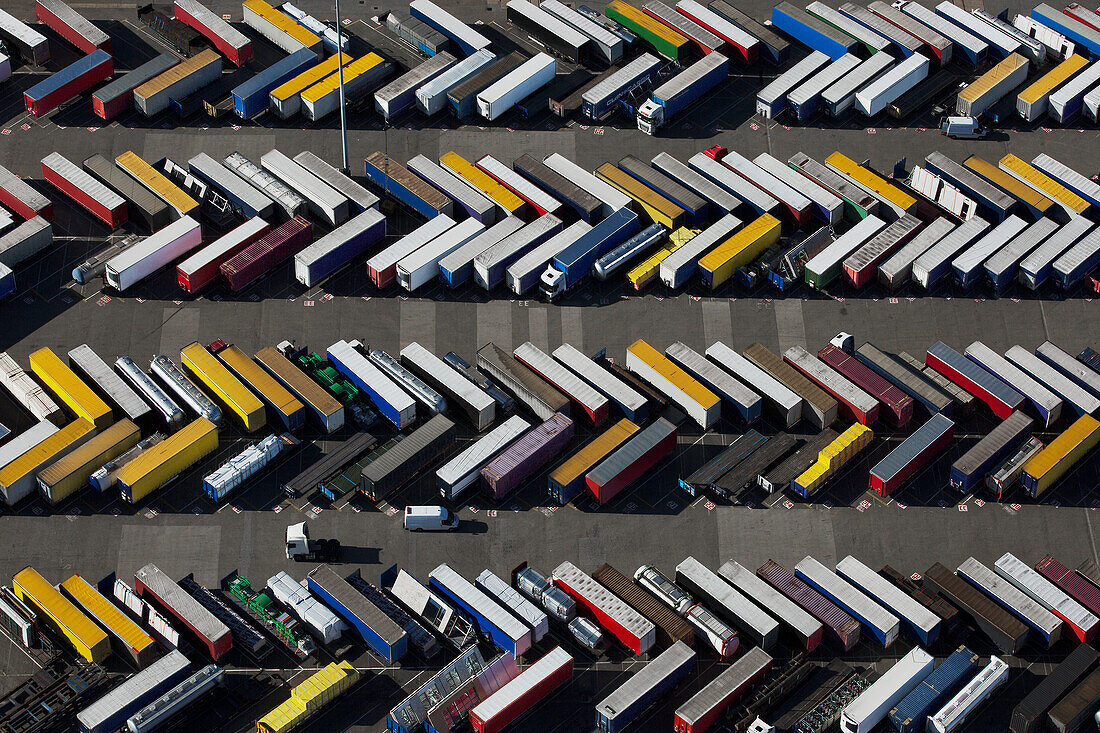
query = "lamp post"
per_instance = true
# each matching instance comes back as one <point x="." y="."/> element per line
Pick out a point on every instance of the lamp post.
<point x="340" y="69"/>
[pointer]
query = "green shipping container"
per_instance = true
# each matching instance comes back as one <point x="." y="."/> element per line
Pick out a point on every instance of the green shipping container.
<point x="667" y="42"/>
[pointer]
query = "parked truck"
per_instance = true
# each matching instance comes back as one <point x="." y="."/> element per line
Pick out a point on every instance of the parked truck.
<point x="681" y="91"/>
<point x="571" y="265"/>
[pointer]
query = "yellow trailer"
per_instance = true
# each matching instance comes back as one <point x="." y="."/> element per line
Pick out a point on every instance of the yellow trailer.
<point x="158" y="184"/>
<point x="660" y="210"/>
<point x="1034" y="178"/>
<point x="1052" y="462"/>
<point x="832" y="458"/>
<point x="316" y="692"/>
<point x="17" y="479"/>
<point x="283" y="405"/>
<point x="482" y="181"/>
<point x="227" y="389"/>
<point x="69" y="388"/>
<point x="314" y="98"/>
<point x="167" y="459"/>
<point x="328" y="411"/>
<point x="127" y="637"/>
<point x="1032" y="102"/>
<point x="71" y="472"/>
<point x="89" y="641"/>
<point x="871" y="181"/>
<point x="641" y="274"/>
<point x="567" y="480"/>
<point x="716" y="266"/>
<point x="1036" y="203"/>
<point x="286" y="99"/>
<point x="284" y="23"/>
<point x="700" y="404"/>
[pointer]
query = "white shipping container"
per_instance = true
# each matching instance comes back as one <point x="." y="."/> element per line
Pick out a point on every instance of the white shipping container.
<point x="432" y="97"/>
<point x="772" y="99"/>
<point x="25" y="241"/>
<point x="760" y="201"/>
<point x="152" y="253"/>
<point x="995" y="37"/>
<point x="874" y="97"/>
<point x="29" y="393"/>
<point x="524" y="273"/>
<point x="1045" y="593"/>
<point x="288" y="200"/>
<point x="402" y="248"/>
<point x="612" y="197"/>
<point x="450" y="26"/>
<point x="828" y="205"/>
<point x="457" y="267"/>
<point x="718" y="381"/>
<point x="678" y="267"/>
<point x="325" y="201"/>
<point x="325" y="624"/>
<point x="870" y="708"/>
<point x="527" y="78"/>
<point x="1082" y="374"/>
<point x="697" y="182"/>
<point x="844" y="245"/>
<point x="476" y="204"/>
<point x="215" y="251"/>
<point x="544" y="202"/>
<point x="459" y="473"/>
<point x="841" y="96"/>
<point x="1065" y="101"/>
<point x="788" y="404"/>
<point x="480" y="407"/>
<point x="609" y="45"/>
<point x="422" y="266"/>
<point x="355" y="193"/>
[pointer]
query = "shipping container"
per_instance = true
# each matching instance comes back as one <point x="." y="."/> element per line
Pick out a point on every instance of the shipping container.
<point x="967" y="46"/>
<point x="362" y="77"/>
<point x="796" y="206"/>
<point x="1060" y="455"/>
<point x="521" y="460"/>
<point x="1079" y="585"/>
<point x="708" y="478"/>
<point x="179" y="203"/>
<point x="522" y="693"/>
<point x="918" y="621"/>
<point x="1002" y="268"/>
<point x="828" y="264"/>
<point x="71" y="26"/>
<point x="405" y="460"/>
<point x="812" y="31"/>
<point x="536" y="394"/>
<point x="1068" y="177"/>
<point x="262" y="256"/>
<point x="1000" y="44"/>
<point x="704" y="41"/>
<point x="874" y="703"/>
<point x="1005" y="631"/>
<point x="166" y="460"/>
<point x="127" y="638"/>
<point x="627" y="703"/>
<point x="491" y="265"/>
<point x="1030" y="176"/>
<point x="394" y="404"/>
<point x="858" y="404"/>
<point x="400" y="95"/>
<point x="630" y="403"/>
<point x="114" y="98"/>
<point x="166" y="246"/>
<point x="692" y="203"/>
<point x="858" y="203"/>
<point x="18" y="476"/>
<point x="1036" y="268"/>
<point x="111" y="711"/>
<point x="32" y="46"/>
<point x="477" y="205"/>
<point x="459" y="473"/>
<point x="912" y="711"/>
<point x="69" y="473"/>
<point x="659" y="209"/>
<point x="547" y="29"/>
<point x="971" y="469"/>
<point x="1031" y="104"/>
<point x="183" y="79"/>
<point x="96" y="374"/>
<point x="25" y="440"/>
<point x="702" y="405"/>
<point x="432" y="96"/>
<point x="338" y="248"/>
<point x="370" y="622"/>
<point x="203" y="267"/>
<point x="612" y="198"/>
<point x="708" y="705"/>
<point x="479" y="407"/>
<point x="631" y="460"/>
<point x="510" y="203"/>
<point x="540" y="201"/>
<point x="245" y="199"/>
<point x="527" y="271"/>
<point x="63" y="383"/>
<point x="586" y="206"/>
<point x="588" y="400"/>
<point x="1036" y="204"/>
<point x="803" y="627"/>
<point x="720" y="200"/>
<point x="899" y="406"/>
<point x="22" y="199"/>
<point x="1080" y="621"/>
<point x="1045" y="624"/>
<point x="279" y="28"/>
<point x="1078" y="706"/>
<point x="462" y="98"/>
<point x="61" y="616"/>
<point x="958" y="711"/>
<point x="285" y="100"/>
<point x="1046" y="404"/>
<point x="818" y="407"/>
<point x="329" y="412"/>
<point x="96" y="198"/>
<point x="871" y="41"/>
<point x="1029" y="714"/>
<point x="492" y="620"/>
<point x="252" y="97"/>
<point x="878" y="187"/>
<point x="843" y="628"/>
<point x="680" y="265"/>
<point x="876" y="620"/>
<point x="214" y="637"/>
<point x="568" y="479"/>
<point x="465" y="37"/>
<point x="396" y="180"/>
<point x="287" y="199"/>
<point x="143" y="204"/>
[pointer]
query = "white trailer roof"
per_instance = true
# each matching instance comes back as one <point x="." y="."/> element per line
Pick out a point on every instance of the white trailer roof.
<point x="84" y="181"/>
<point x="685" y="257"/>
<point x="759" y="200"/>
<point x="152" y="244"/>
<point x="700" y="184"/>
<point x="765" y="180"/>
<point x="382" y="385"/>
<point x="584" y="24"/>
<point x="402" y="248"/>
<point x="825" y="374"/>
<point x="1042" y="591"/>
<point x="775" y="602"/>
<point x="1082" y="400"/>
<point x="473" y="458"/>
<point x="756" y="377"/>
<point x="1015" y="377"/>
<point x="529" y="679"/>
<point x="889" y="595"/>
<point x="614" y="198"/>
<point x="459" y="190"/>
<point x="537" y="259"/>
<point x="1008" y="595"/>
<point x="318" y="167"/>
<point x="464" y="256"/>
<point x="320" y="194"/>
<point x="526" y="190"/>
<point x="807" y="186"/>
<point x="515" y="602"/>
<point x="463" y="389"/>
<point x="793" y="76"/>
<point x="484" y="606"/>
<point x="441" y="246"/>
<point x="711" y="375"/>
<point x="598" y="377"/>
<point x="564" y="380"/>
<point x="888" y="689"/>
<point x="869" y="611"/>
<point x="728" y="601"/>
<point x="1068" y="365"/>
<point x="453" y="26"/>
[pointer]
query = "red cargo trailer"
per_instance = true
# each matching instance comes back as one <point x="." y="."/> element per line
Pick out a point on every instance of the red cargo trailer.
<point x="1072" y="584"/>
<point x="20" y="197"/>
<point x="71" y="25"/>
<point x="100" y="201"/>
<point x="202" y="268"/>
<point x="591" y="402"/>
<point x="926" y="442"/>
<point x="854" y="402"/>
<point x="631" y="460"/>
<point x="233" y="44"/>
<point x="635" y="631"/>
<point x="279" y="245"/>
<point x="152" y="584"/>
<point x="899" y="406"/>
<point x="75" y="79"/>
<point x="523" y="692"/>
<point x="1002" y="399"/>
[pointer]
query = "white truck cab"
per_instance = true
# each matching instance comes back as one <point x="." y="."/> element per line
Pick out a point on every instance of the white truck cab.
<point x="430" y="519"/>
<point x="650" y="116"/>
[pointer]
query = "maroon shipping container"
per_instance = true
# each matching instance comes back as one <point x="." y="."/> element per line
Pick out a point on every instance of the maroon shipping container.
<point x="843" y="628"/>
<point x="524" y="692"/>
<point x="75" y="79"/>
<point x="20" y="197"/>
<point x="277" y="247"/>
<point x="1072" y="584"/>
<point x="203" y="267"/>
<point x="527" y="455"/>
<point x="232" y="43"/>
<point x="899" y="406"/>
<point x="100" y="201"/>
<point x="71" y="25"/>
<point x="632" y="459"/>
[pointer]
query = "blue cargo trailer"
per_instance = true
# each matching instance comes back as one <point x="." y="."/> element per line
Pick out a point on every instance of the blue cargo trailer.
<point x="910" y="715"/>
<point x="491" y="619"/>
<point x="571" y="265"/>
<point x="251" y="97"/>
<point x="1046" y="404"/>
<point x="1001" y="268"/>
<point x="623" y="706"/>
<point x="1083" y="36"/>
<point x="876" y="620"/>
<point x="399" y="182"/>
<point x="602" y="99"/>
<point x="813" y="32"/>
<point x="394" y="404"/>
<point x="993" y="204"/>
<point x="971" y="468"/>
<point x="379" y="631"/>
<point x="919" y="622"/>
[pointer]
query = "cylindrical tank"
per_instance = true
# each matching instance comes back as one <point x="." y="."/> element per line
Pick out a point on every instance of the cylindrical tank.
<point x="185" y="389"/>
<point x="141" y="381"/>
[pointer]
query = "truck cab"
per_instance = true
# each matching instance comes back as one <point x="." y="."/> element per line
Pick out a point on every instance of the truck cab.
<point x="650" y="116"/>
<point x="552" y="283"/>
<point x="300" y="548"/>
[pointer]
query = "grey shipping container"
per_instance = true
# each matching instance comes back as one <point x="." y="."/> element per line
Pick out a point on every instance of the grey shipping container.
<point x="722" y="200"/>
<point x="1027" y="716"/>
<point x="400" y="94"/>
<point x="402" y="462"/>
<point x="529" y="388"/>
<point x="88" y="364"/>
<point x="143" y="203"/>
<point x="25" y="241"/>
<point x="359" y="196"/>
<point x="727" y="602"/>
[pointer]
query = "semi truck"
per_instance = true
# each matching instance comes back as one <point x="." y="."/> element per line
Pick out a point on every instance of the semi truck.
<point x="571" y="265"/>
<point x="681" y="91"/>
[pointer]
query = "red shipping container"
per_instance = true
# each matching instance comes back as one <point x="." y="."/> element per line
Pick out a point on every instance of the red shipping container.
<point x="17" y="195"/>
<point x="171" y="600"/>
<point x="899" y="406"/>
<point x="239" y="52"/>
<point x="703" y="710"/>
<point x="888" y="474"/>
<point x="73" y="80"/>
<point x="104" y="204"/>
<point x="634" y="458"/>
<point x="202" y="268"/>
<point x="519" y="695"/>
<point x="279" y="245"/>
<point x="70" y="25"/>
<point x="1073" y="585"/>
<point x="747" y="56"/>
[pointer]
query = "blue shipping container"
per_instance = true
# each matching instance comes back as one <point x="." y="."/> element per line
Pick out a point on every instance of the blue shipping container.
<point x="388" y="640"/>
<point x="651" y="683"/>
<point x="514" y="643"/>
<point x="250" y="98"/>
<point x="971" y="469"/>
<point x="399" y="415"/>
<point x="910" y="715"/>
<point x="401" y="193"/>
<point x="576" y="260"/>
<point x="814" y="33"/>
<point x="1082" y="35"/>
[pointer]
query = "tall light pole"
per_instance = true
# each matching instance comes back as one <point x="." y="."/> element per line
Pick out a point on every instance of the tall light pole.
<point x="340" y="70"/>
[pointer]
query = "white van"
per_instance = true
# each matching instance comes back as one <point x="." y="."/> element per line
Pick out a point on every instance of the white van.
<point x="430" y="518"/>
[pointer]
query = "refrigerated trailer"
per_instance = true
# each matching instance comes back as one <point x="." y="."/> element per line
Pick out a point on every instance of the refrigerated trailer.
<point x="462" y="471"/>
<point x="627" y="703"/>
<point x="1045" y="624"/>
<point x="547" y="29"/>
<point x="888" y="88"/>
<point x="527" y="78"/>
<point x="744" y="400"/>
<point x="153" y="253"/>
<point x="858" y="404"/>
<point x="463" y="35"/>
<point x="1080" y="621"/>
<point x="606" y="44"/>
<point x="31" y="45"/>
<point x="772" y="99"/>
<point x="700" y="403"/>
<point x="876" y="620"/>
<point x="919" y="622"/>
<point x="873" y="704"/>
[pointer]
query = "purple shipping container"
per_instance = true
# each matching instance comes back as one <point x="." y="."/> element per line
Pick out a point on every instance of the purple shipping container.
<point x="278" y="246"/>
<point x="843" y="628"/>
<point x="1076" y="586"/>
<point x="527" y="455"/>
<point x="899" y="406"/>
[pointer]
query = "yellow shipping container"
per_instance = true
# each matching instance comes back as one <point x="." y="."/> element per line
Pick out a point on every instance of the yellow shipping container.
<point x="62" y="381"/>
<point x="128" y="637"/>
<point x="89" y="640"/>
<point x="833" y="457"/>
<point x="185" y="68"/>
<point x="990" y="81"/>
<point x="567" y="480"/>
<point x="157" y="183"/>
<point x="284" y="93"/>
<point x="1025" y="194"/>
<point x="1041" y="89"/>
<point x="167" y="459"/>
<point x="660" y="210"/>
<point x="718" y="265"/>
<point x="331" y="83"/>
<point x="641" y="274"/>
<point x="870" y="180"/>
<point x="71" y="472"/>
<point x="286" y="717"/>
<point x="288" y="408"/>
<point x="284" y="22"/>
<point x="17" y="479"/>
<point x="324" y="406"/>
<point x="482" y="181"/>
<point x="227" y="389"/>
<point x="1052" y="462"/>
<point x="667" y="369"/>
<point x="310" y="696"/>
<point x="1044" y="184"/>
